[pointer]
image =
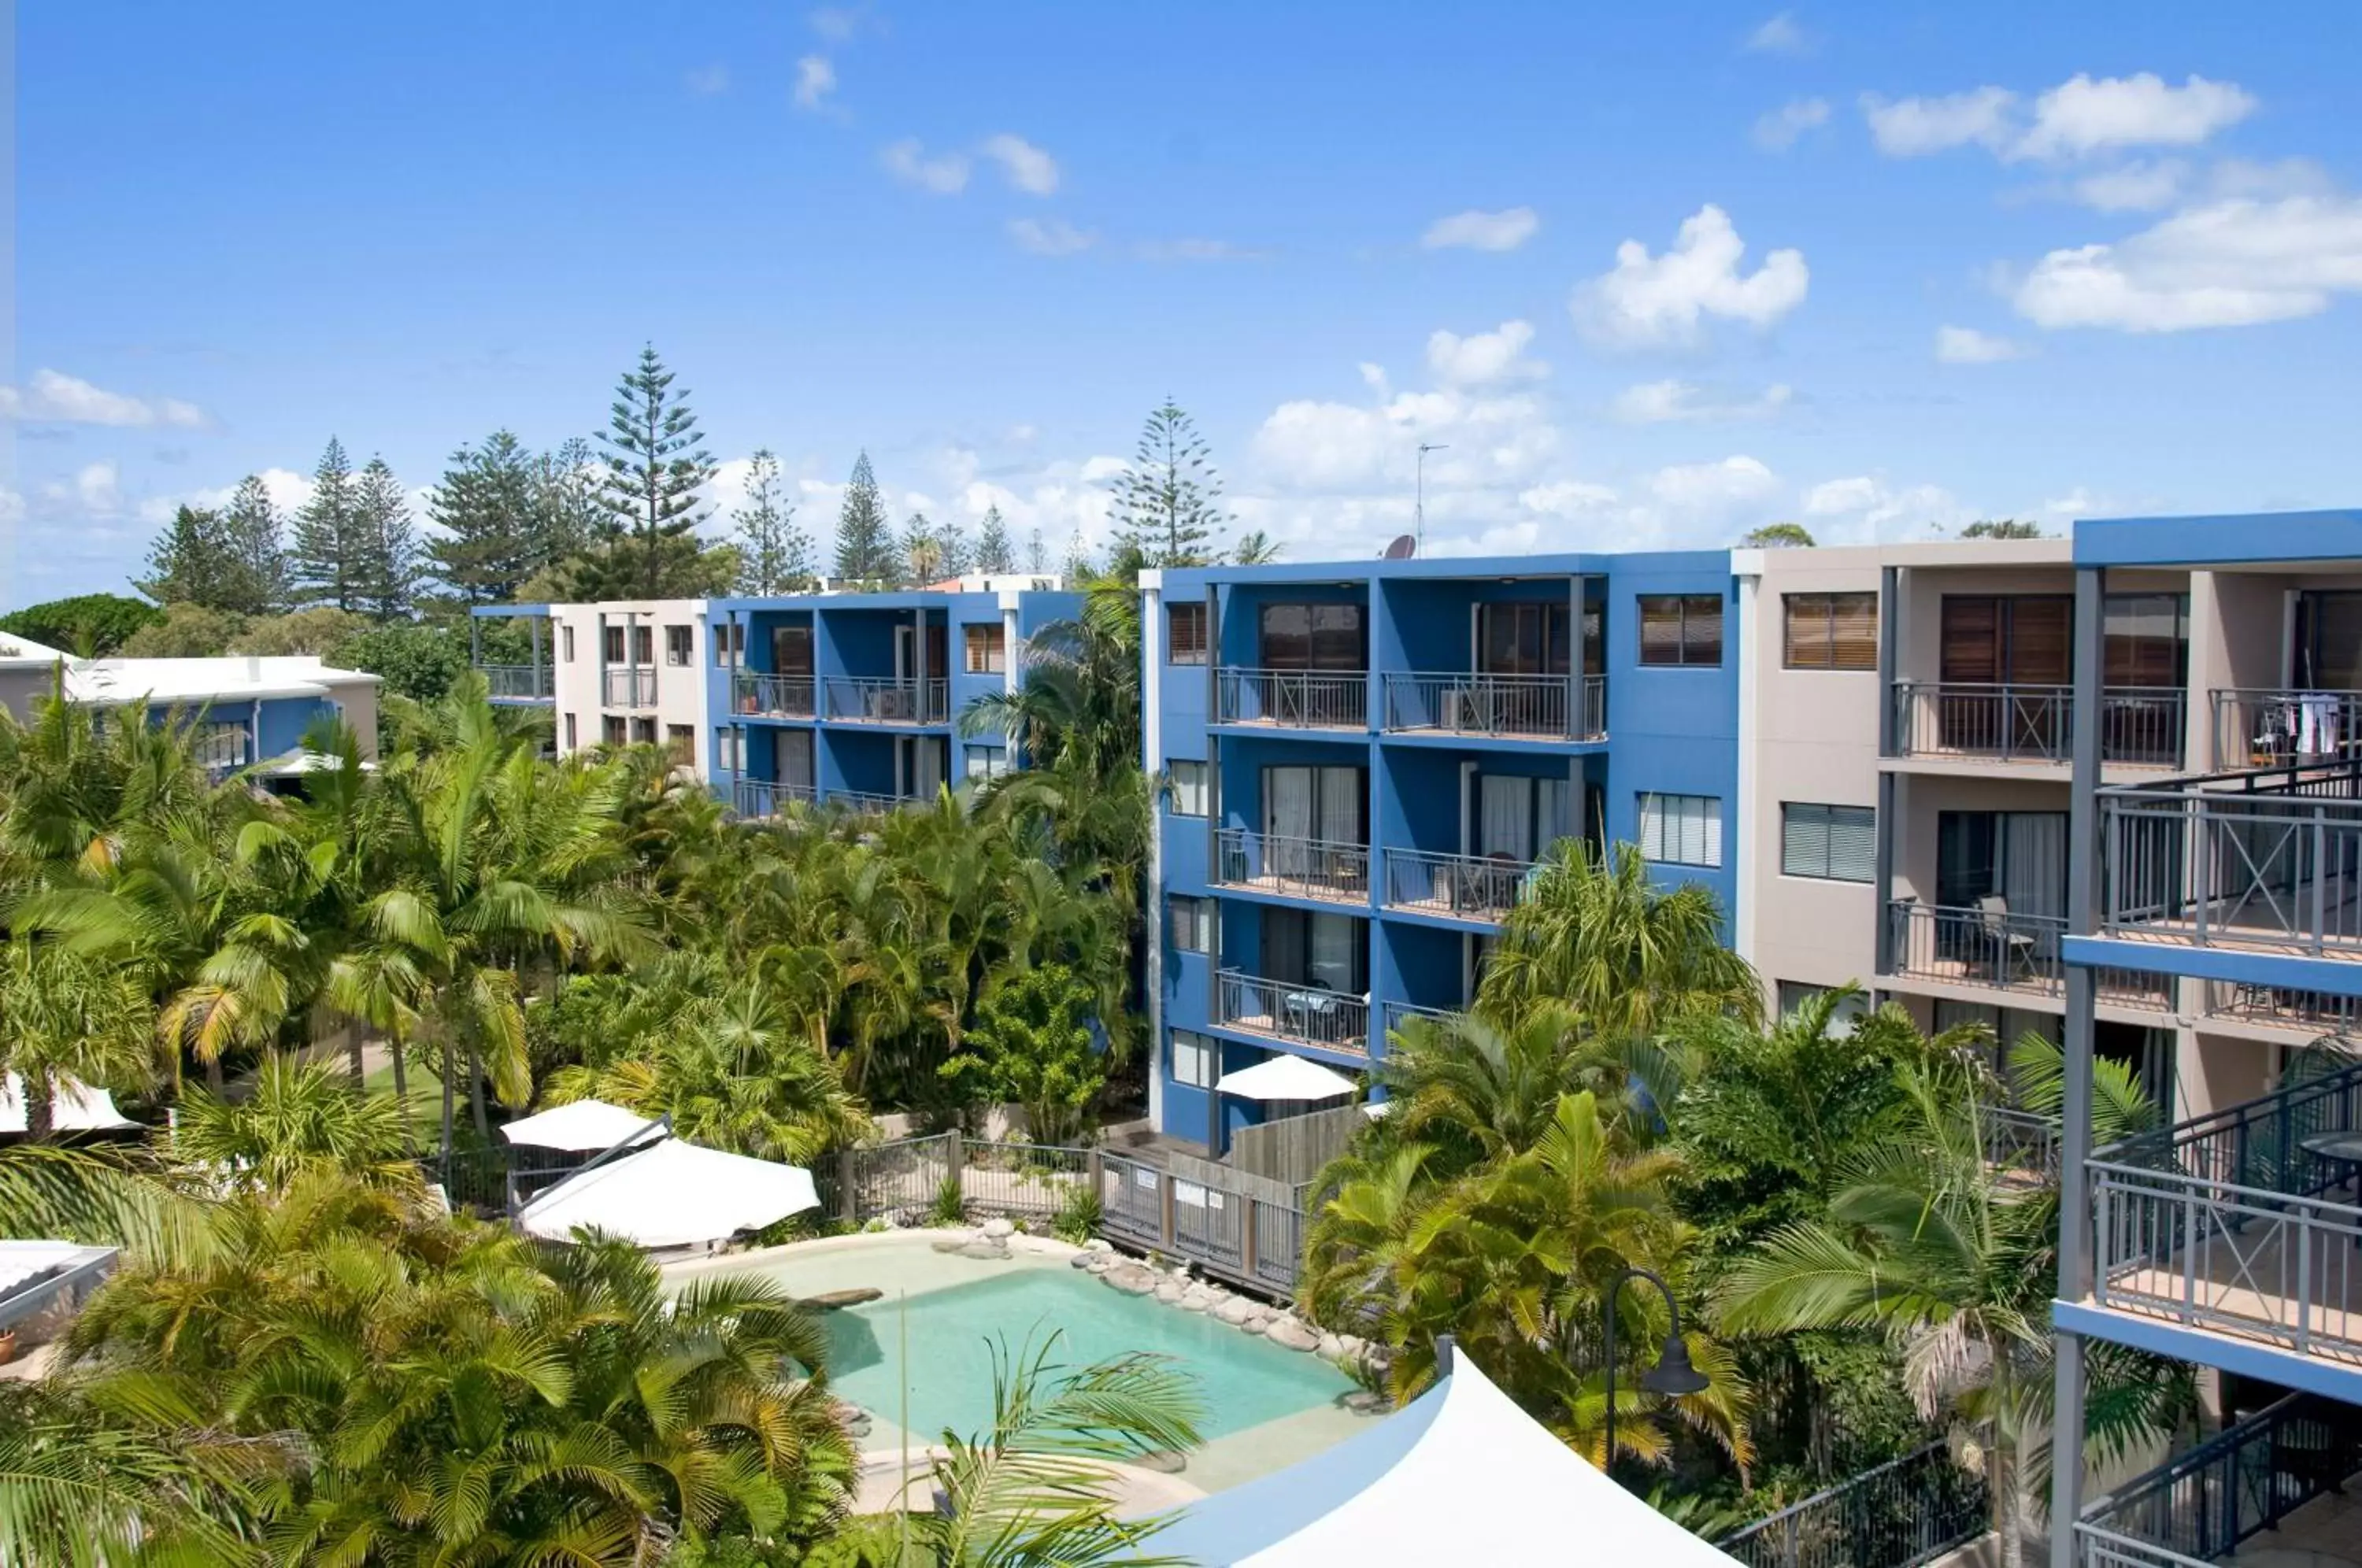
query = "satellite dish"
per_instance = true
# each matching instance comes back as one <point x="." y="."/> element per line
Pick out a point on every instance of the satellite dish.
<point x="1402" y="550"/>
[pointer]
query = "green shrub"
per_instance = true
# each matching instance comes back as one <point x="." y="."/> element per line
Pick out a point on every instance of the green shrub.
<point x="951" y="1202"/>
<point x="1078" y="1216"/>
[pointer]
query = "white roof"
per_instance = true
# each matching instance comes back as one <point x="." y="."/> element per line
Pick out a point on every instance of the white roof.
<point x="1460" y="1475"/>
<point x="22" y="1261"/>
<point x="78" y="1107"/>
<point x="166" y="681"/>
<point x="1286" y="1078"/>
<point x="585" y="1127"/>
<point x="672" y="1194"/>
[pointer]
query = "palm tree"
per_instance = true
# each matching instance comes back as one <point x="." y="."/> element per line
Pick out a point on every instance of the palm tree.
<point x="294" y="1117"/>
<point x="66" y="1018"/>
<point x="1080" y="697"/>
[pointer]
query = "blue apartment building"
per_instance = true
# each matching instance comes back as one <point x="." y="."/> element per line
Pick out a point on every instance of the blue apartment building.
<point x="1365" y="759"/>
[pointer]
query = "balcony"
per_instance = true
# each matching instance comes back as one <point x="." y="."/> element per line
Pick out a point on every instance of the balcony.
<point x="1398" y="1014"/>
<point x="771" y="696"/>
<point x="768" y="798"/>
<point x="1462" y="887"/>
<point x="2264" y="1474"/>
<point x="1293" y="699"/>
<point x="1295" y="867"/>
<point x="1518" y="707"/>
<point x="2279" y="1007"/>
<point x="1992" y="948"/>
<point x="1958" y="721"/>
<point x="218" y="748"/>
<point x="871" y="701"/>
<point x="519" y="682"/>
<point x="2269" y="861"/>
<point x="2281" y="729"/>
<point x="864" y="803"/>
<point x="2245" y="1223"/>
<point x="626" y="688"/>
<point x="1299" y="1012"/>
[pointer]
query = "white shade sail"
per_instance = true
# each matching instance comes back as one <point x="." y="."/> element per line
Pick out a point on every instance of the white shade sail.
<point x="1460" y="1475"/>
<point x="1286" y="1078"/>
<point x="76" y="1107"/>
<point x="671" y="1195"/>
<point x="585" y="1127"/>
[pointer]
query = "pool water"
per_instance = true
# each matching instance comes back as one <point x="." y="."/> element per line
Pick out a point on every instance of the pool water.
<point x="1242" y="1380"/>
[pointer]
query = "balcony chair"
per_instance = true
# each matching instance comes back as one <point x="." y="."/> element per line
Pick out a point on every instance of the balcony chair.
<point x="2012" y="949"/>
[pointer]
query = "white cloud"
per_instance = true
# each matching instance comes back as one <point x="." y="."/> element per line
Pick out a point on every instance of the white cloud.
<point x="1713" y="489"/>
<point x="1913" y="128"/>
<point x="841" y="24"/>
<point x="1028" y="168"/>
<point x="708" y="80"/>
<point x="1568" y="499"/>
<point x="1484" y="359"/>
<point x="815" y="79"/>
<point x="1865" y="509"/>
<point x="908" y="162"/>
<point x="2137" y="186"/>
<point x="52" y="397"/>
<point x="2228" y="263"/>
<point x="1967" y="345"/>
<point x="1664" y="299"/>
<point x="1475" y="230"/>
<point x="1055" y="237"/>
<point x="1660" y="402"/>
<point x="2081" y="116"/>
<point x="1781" y="35"/>
<point x="1195" y="251"/>
<point x="1778" y="132"/>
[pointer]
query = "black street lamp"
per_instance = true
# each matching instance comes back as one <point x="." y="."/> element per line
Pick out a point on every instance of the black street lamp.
<point x="1672" y="1376"/>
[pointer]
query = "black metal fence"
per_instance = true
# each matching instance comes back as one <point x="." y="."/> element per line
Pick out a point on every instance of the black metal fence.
<point x="1907" y="1511"/>
<point x="2246" y="1479"/>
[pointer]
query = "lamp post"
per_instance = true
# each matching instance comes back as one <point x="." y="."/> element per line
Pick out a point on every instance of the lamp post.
<point x="1672" y="1376"/>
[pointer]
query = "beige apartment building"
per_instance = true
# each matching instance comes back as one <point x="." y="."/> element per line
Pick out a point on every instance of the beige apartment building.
<point x="632" y="673"/>
<point x="1905" y="721"/>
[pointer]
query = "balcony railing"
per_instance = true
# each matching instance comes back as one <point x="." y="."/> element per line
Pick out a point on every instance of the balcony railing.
<point x="2278" y="729"/>
<point x="769" y="797"/>
<point x="889" y="701"/>
<point x="1466" y="886"/>
<point x="1996" y="948"/>
<point x="1299" y="867"/>
<point x="219" y="747"/>
<point x="2243" y="1221"/>
<point x="2314" y="1012"/>
<point x="622" y="687"/>
<point x="1398" y="1014"/>
<point x="519" y="682"/>
<point x="1907" y="1511"/>
<point x="2015" y="1139"/>
<point x="1293" y="699"/>
<point x="1300" y="1012"/>
<point x="778" y="696"/>
<point x="2269" y="859"/>
<point x="864" y="802"/>
<point x="2198" y="1507"/>
<point x="2033" y="724"/>
<point x="1540" y="707"/>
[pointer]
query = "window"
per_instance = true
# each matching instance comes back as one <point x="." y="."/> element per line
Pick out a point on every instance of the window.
<point x="729" y="639"/>
<point x="1190" y="788"/>
<point x="1197" y="1060"/>
<point x="680" y="741"/>
<point x="1193" y="923"/>
<point x="1837" y="843"/>
<point x="728" y="757"/>
<point x="1185" y="634"/>
<point x="1682" y="830"/>
<point x="1312" y="636"/>
<point x="610" y="645"/>
<point x="644" y="644"/>
<point x="566" y="642"/>
<point x="677" y="645"/>
<point x="988" y="649"/>
<point x="573" y="735"/>
<point x="1523" y="639"/>
<point x="1680" y="629"/>
<point x="644" y="732"/>
<point x="610" y="729"/>
<point x="1831" y="631"/>
<point x="987" y="761"/>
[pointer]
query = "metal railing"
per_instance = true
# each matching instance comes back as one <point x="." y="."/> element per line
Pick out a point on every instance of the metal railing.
<point x="1397" y="1013"/>
<point x="218" y="747"/>
<point x="1250" y="1240"/>
<point x="2315" y="1013"/>
<point x="1548" y="707"/>
<point x="2259" y="1142"/>
<point x="1302" y="867"/>
<point x="2271" y="858"/>
<point x="781" y="696"/>
<point x="1470" y="887"/>
<point x="769" y="797"/>
<point x="488" y="1180"/>
<point x="2199" y="1507"/>
<point x="1291" y="1010"/>
<point x="622" y="687"/>
<point x="1907" y="1511"/>
<point x="1298" y="698"/>
<point x="519" y="682"/>
<point x="2140" y="724"/>
<point x="867" y="700"/>
<point x="2005" y="951"/>
<point x="2259" y="728"/>
<point x="864" y="802"/>
<point x="2017" y="1140"/>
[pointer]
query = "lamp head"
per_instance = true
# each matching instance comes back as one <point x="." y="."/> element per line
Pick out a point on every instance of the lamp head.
<point x="1673" y="1375"/>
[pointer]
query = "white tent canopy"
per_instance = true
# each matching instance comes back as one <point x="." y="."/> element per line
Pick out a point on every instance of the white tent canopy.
<point x="671" y="1195"/>
<point x="77" y="1107"/>
<point x="585" y="1127"/>
<point x="1460" y="1475"/>
<point x="1286" y="1078"/>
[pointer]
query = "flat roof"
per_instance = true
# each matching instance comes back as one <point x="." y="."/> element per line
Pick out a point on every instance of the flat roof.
<point x="106" y="683"/>
<point x="2229" y="540"/>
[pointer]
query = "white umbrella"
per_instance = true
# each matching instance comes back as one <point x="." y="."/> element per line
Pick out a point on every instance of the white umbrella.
<point x="671" y="1195"/>
<point x="1286" y="1078"/>
<point x="76" y="1107"/>
<point x="585" y="1127"/>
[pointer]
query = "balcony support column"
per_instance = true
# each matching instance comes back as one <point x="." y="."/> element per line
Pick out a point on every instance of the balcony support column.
<point x="1890" y="583"/>
<point x="1152" y="764"/>
<point x="533" y="626"/>
<point x="475" y="639"/>
<point x="1881" y="873"/>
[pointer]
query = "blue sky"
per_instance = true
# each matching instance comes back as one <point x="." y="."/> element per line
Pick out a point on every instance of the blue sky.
<point x="1651" y="278"/>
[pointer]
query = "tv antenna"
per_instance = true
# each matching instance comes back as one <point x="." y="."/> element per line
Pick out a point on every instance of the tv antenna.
<point x="1419" y="507"/>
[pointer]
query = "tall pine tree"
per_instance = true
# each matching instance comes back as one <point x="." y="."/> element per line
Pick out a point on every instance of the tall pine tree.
<point x="390" y="563"/>
<point x="957" y="550"/>
<point x="568" y="514"/>
<point x="483" y="508"/>
<point x="1165" y="512"/>
<point x="774" y="555"/>
<point x="994" y="551"/>
<point x="250" y="526"/>
<point x="865" y="539"/>
<point x="657" y="472"/>
<point x="327" y="562"/>
<point x="191" y="562"/>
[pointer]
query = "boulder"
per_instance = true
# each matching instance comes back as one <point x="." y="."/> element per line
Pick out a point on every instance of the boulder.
<point x="1099" y="1262"/>
<point x="1133" y="1279"/>
<point x="1196" y="1298"/>
<point x="1170" y="1292"/>
<point x="1000" y="1229"/>
<point x="1234" y="1310"/>
<point x="1257" y="1325"/>
<point x="1362" y="1402"/>
<point x="986" y="1252"/>
<point x="831" y="1300"/>
<point x="1164" y="1462"/>
<point x="1331" y="1347"/>
<point x="949" y="1244"/>
<point x="1080" y="1260"/>
<point x="1098" y="1244"/>
<point x="1290" y="1334"/>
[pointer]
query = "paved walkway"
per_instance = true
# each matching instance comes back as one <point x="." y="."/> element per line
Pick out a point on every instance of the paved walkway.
<point x="2324" y="1533"/>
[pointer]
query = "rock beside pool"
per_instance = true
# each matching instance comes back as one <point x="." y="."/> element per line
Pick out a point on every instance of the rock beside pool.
<point x="1362" y="1402"/>
<point x="1234" y="1310"/>
<point x="1131" y="1278"/>
<point x="1170" y="1292"/>
<point x="1331" y="1347"/>
<point x="1164" y="1461"/>
<point x="1080" y="1260"/>
<point x="950" y="1243"/>
<point x="1098" y="1244"/>
<point x="1289" y="1334"/>
<point x="1196" y="1299"/>
<point x="986" y="1252"/>
<point x="1000" y="1229"/>
<point x="832" y="1300"/>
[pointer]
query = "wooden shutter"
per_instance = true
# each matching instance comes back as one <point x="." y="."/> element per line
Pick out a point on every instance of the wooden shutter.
<point x="1970" y="654"/>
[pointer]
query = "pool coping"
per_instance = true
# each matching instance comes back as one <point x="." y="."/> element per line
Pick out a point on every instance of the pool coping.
<point x="865" y="1241"/>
